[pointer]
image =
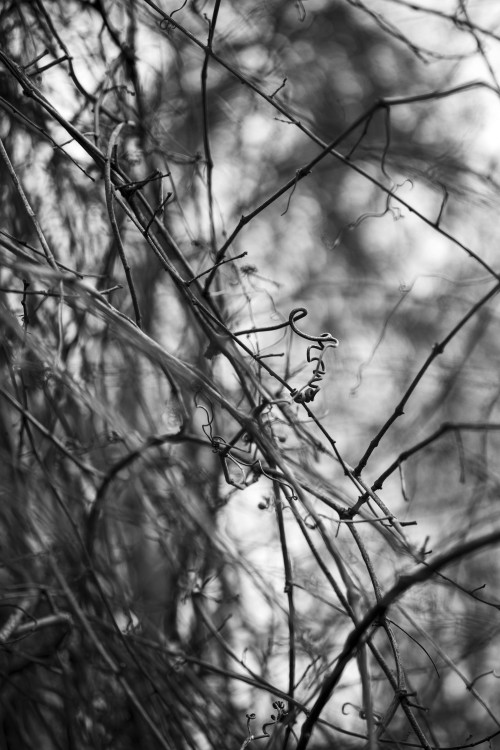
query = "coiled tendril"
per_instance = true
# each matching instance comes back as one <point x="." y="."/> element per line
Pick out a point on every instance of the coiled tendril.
<point x="321" y="343"/>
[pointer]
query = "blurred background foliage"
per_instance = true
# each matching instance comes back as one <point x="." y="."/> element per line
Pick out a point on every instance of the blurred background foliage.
<point x="143" y="601"/>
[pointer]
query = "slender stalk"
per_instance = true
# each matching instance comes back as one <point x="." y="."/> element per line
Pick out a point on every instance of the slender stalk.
<point x="114" y="225"/>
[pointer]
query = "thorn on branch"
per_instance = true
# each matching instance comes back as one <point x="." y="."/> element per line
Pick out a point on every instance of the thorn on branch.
<point x="209" y="270"/>
<point x="443" y="206"/>
<point x="478" y="588"/>
<point x="282" y="86"/>
<point x="258" y="357"/>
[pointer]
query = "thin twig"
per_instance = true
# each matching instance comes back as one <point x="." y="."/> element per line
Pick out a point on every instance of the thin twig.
<point x="114" y="226"/>
<point x="437" y="349"/>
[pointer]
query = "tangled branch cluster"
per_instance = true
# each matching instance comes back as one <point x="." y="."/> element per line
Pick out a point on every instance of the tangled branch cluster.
<point x="197" y="520"/>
